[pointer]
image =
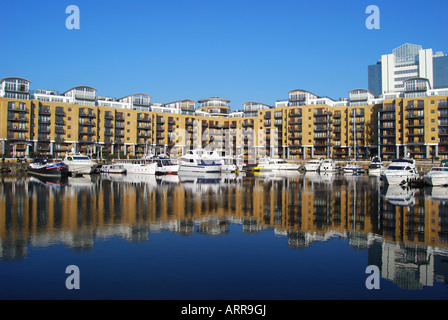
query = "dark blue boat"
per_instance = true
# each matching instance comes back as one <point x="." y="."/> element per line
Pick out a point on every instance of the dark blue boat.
<point x="44" y="168"/>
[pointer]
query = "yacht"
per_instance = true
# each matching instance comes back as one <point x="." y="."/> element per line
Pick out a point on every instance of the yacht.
<point x="437" y="176"/>
<point x="166" y="165"/>
<point x="353" y="168"/>
<point x="400" y="171"/>
<point x="376" y="166"/>
<point x="313" y="165"/>
<point x="79" y="163"/>
<point x="113" y="168"/>
<point x="228" y="165"/>
<point x="269" y="164"/>
<point x="199" y="160"/>
<point x="328" y="165"/>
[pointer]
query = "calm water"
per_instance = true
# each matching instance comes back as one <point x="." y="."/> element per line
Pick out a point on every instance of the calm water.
<point x="270" y="237"/>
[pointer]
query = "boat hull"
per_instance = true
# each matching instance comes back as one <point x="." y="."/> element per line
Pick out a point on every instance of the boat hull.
<point x="54" y="170"/>
<point x="436" y="180"/>
<point x="133" y="168"/>
<point x="397" y="179"/>
<point x="312" y="167"/>
<point x="82" y="168"/>
<point x="172" y="169"/>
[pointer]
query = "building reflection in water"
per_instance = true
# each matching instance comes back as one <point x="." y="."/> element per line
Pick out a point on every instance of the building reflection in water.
<point x="404" y="230"/>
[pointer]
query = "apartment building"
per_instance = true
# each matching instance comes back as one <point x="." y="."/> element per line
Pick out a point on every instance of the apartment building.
<point x="304" y="126"/>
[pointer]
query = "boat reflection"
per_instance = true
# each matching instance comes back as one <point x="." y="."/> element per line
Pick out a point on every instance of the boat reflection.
<point x="398" y="195"/>
<point x="52" y="182"/>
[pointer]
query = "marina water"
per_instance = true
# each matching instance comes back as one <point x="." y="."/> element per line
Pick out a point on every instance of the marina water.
<point x="265" y="236"/>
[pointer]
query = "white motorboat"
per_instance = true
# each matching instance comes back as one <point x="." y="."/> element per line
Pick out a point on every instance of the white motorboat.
<point x="113" y="168"/>
<point x="270" y="164"/>
<point x="353" y="168"/>
<point x="140" y="166"/>
<point x="437" y="176"/>
<point x="313" y="165"/>
<point x="228" y="164"/>
<point x="166" y="165"/>
<point x="376" y="167"/>
<point x="79" y="163"/>
<point x="400" y="171"/>
<point x="199" y="161"/>
<point x="328" y="165"/>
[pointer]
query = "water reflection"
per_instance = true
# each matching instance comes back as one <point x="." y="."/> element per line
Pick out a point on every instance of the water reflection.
<point x="404" y="230"/>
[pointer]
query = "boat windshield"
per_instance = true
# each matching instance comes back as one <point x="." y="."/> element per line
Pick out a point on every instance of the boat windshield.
<point x="80" y="158"/>
<point x="396" y="168"/>
<point x="207" y="162"/>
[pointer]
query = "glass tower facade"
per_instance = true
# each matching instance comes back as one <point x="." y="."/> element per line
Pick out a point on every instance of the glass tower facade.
<point x="375" y="81"/>
<point x="440" y="65"/>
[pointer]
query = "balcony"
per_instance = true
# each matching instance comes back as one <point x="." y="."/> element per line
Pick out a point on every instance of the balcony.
<point x="87" y="123"/>
<point x="19" y="119"/>
<point x="17" y="128"/>
<point x="295" y="122"/>
<point x="416" y="125"/>
<point x="88" y="133"/>
<point x="17" y="109"/>
<point x="44" y="111"/>
<point x="87" y="114"/>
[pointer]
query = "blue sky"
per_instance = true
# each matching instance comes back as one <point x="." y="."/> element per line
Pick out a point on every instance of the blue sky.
<point x="242" y="50"/>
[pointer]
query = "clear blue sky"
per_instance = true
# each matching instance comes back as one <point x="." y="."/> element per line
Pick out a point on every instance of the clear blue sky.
<point x="241" y="50"/>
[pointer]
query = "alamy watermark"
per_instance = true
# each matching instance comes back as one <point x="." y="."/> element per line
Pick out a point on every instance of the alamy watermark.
<point x="73" y="280"/>
<point x="373" y="20"/>
<point x="73" y="21"/>
<point x="373" y="280"/>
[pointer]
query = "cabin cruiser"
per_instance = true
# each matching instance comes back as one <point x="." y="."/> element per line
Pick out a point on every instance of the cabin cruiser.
<point x="228" y="165"/>
<point x="313" y="165"/>
<point x="199" y="160"/>
<point x="437" y="176"/>
<point x="269" y="164"/>
<point x="353" y="168"/>
<point x="166" y="165"/>
<point x="79" y="163"/>
<point x="400" y="171"/>
<point x="113" y="168"/>
<point x="328" y="165"/>
<point x="376" y="166"/>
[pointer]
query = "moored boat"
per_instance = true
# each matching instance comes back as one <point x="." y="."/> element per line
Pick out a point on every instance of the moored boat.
<point x="376" y="166"/>
<point x="437" y="176"/>
<point x="328" y="165"/>
<point x="353" y="168"/>
<point x="400" y="171"/>
<point x="270" y="164"/>
<point x="197" y="160"/>
<point x="113" y="168"/>
<point x="313" y="165"/>
<point x="166" y="165"/>
<point x="42" y="167"/>
<point x="79" y="163"/>
<point x="138" y="166"/>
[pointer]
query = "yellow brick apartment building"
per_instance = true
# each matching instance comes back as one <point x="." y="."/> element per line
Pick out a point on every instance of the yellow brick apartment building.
<point x="304" y="126"/>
